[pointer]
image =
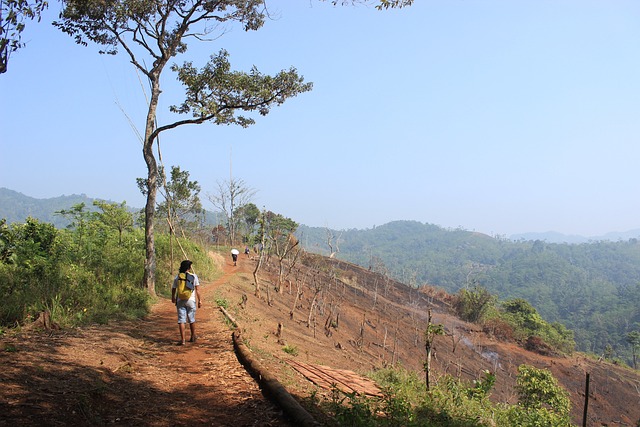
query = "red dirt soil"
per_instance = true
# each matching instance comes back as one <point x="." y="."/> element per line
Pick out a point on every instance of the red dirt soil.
<point x="132" y="373"/>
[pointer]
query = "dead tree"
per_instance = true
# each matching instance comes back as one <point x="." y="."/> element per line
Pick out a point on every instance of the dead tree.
<point x="332" y="319"/>
<point x="455" y="338"/>
<point x="261" y="249"/>
<point x="280" y="333"/>
<point x="256" y="279"/>
<point x="283" y="248"/>
<point x="429" y="335"/>
<point x="297" y="298"/>
<point x="375" y="292"/>
<point x="317" y="289"/>
<point x="384" y="340"/>
<point x="360" y="341"/>
<point x="330" y="240"/>
<point x="395" y="347"/>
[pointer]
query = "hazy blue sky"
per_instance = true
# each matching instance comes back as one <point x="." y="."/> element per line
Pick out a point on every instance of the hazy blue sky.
<point x="497" y="116"/>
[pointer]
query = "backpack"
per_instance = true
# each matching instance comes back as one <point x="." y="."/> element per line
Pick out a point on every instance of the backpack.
<point x="185" y="286"/>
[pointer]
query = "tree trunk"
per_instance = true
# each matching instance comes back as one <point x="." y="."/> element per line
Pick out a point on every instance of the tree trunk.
<point x="295" y="301"/>
<point x="256" y="279"/>
<point x="313" y="305"/>
<point x="149" y="279"/>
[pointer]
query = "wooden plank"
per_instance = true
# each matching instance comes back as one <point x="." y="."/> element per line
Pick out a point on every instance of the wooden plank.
<point x="345" y="380"/>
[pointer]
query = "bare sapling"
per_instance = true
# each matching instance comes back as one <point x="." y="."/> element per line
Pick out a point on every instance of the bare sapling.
<point x="280" y="333"/>
<point x="317" y="289"/>
<point x="284" y="249"/>
<point x="256" y="279"/>
<point x="429" y="336"/>
<point x="375" y="292"/>
<point x="331" y="239"/>
<point x="297" y="298"/>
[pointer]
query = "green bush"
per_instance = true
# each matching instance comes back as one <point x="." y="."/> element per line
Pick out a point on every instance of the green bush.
<point x="472" y="305"/>
<point x="518" y="319"/>
<point x="453" y="403"/>
<point x="91" y="273"/>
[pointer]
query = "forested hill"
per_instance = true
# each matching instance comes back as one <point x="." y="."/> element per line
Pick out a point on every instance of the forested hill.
<point x="16" y="207"/>
<point x="592" y="288"/>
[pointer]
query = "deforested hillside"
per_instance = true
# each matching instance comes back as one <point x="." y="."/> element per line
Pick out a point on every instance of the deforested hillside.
<point x="334" y="313"/>
<point x="591" y="288"/>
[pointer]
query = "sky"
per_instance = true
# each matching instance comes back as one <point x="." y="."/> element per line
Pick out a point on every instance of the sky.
<point x="500" y="117"/>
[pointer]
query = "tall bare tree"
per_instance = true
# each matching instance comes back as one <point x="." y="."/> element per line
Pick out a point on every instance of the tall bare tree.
<point x="232" y="196"/>
<point x="332" y="240"/>
<point x="152" y="33"/>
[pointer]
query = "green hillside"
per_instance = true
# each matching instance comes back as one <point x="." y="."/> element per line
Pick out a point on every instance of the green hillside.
<point x="592" y="288"/>
<point x="16" y="207"/>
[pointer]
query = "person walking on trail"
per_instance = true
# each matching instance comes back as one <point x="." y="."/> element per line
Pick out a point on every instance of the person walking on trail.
<point x="186" y="296"/>
<point x="234" y="256"/>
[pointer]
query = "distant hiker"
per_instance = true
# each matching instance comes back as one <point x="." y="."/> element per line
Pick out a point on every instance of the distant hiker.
<point x="246" y="251"/>
<point x="234" y="256"/>
<point x="186" y="296"/>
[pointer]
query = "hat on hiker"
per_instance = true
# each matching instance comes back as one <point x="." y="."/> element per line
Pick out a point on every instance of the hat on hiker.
<point x="185" y="265"/>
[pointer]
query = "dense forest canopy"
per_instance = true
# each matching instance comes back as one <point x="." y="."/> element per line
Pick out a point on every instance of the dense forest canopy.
<point x="592" y="288"/>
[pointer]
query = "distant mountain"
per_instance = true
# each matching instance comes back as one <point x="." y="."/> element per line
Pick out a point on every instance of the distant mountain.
<point x="555" y="237"/>
<point x="16" y="207"/>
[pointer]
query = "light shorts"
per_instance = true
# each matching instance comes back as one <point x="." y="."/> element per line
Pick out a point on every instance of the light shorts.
<point x="186" y="311"/>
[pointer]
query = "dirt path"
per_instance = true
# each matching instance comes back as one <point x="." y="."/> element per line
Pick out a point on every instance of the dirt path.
<point x="132" y="373"/>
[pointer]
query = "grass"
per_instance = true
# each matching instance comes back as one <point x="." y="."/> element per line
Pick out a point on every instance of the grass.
<point x="290" y="349"/>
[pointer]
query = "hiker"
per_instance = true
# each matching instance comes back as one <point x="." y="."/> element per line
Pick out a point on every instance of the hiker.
<point x="246" y="251"/>
<point x="186" y="296"/>
<point x="234" y="256"/>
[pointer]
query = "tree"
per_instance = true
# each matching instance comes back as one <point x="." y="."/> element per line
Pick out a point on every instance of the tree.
<point x="182" y="205"/>
<point x="153" y="32"/>
<point x="281" y="240"/>
<point x="429" y="336"/>
<point x="633" y="338"/>
<point x="537" y="388"/>
<point x="114" y="216"/>
<point x="13" y="14"/>
<point x="390" y="4"/>
<point x="472" y="305"/>
<point x="261" y="236"/>
<point x="231" y="198"/>
<point x="331" y="240"/>
<point x="247" y="220"/>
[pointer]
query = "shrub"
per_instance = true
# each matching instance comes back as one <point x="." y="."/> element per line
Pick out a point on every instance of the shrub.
<point x="290" y="349"/>
<point x="537" y="388"/>
<point x="472" y="305"/>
